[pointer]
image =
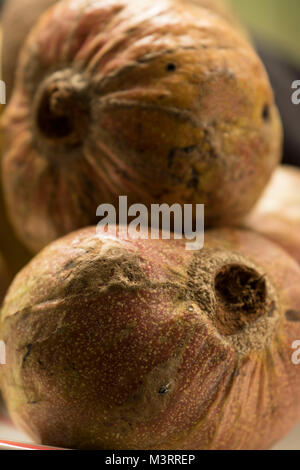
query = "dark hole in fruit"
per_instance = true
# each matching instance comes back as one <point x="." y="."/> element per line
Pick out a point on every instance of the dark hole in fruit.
<point x="241" y="295"/>
<point x="55" y="127"/>
<point x="266" y="114"/>
<point x="171" y="67"/>
<point x="62" y="114"/>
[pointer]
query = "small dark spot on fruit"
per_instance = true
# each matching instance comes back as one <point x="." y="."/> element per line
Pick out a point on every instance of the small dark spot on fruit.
<point x="164" y="389"/>
<point x="292" y="316"/>
<point x="171" y="67"/>
<point x="266" y="114"/>
<point x="69" y="265"/>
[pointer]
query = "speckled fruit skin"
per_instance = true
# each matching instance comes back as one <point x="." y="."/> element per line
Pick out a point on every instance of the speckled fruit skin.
<point x="17" y="19"/>
<point x="115" y="344"/>
<point x="277" y="215"/>
<point x="163" y="101"/>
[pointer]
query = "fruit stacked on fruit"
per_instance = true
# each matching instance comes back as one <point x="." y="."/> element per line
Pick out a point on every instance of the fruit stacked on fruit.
<point x="130" y="344"/>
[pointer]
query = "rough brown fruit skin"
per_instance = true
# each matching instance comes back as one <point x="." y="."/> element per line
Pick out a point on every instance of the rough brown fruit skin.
<point x="277" y="215"/>
<point x="17" y="19"/>
<point x="163" y="101"/>
<point x="115" y="344"/>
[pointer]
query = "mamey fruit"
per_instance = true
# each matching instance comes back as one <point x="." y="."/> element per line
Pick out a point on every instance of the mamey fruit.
<point x="163" y="101"/>
<point x="277" y="214"/>
<point x="142" y="344"/>
<point x="17" y="19"/>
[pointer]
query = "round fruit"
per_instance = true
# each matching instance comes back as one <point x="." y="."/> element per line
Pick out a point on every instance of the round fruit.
<point x="277" y="214"/>
<point x="141" y="344"/>
<point x="164" y="101"/>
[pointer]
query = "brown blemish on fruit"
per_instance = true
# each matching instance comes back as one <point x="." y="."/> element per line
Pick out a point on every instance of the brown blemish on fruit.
<point x="292" y="316"/>
<point x="266" y="113"/>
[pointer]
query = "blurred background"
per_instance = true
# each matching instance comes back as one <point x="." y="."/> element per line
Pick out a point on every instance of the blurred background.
<point x="274" y="25"/>
<point x="275" y="21"/>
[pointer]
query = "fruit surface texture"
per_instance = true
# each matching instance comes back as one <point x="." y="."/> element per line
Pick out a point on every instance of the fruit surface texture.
<point x="119" y="344"/>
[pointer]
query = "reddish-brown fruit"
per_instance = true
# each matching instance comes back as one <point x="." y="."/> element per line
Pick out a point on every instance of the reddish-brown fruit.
<point x="277" y="214"/>
<point x="161" y="100"/>
<point x="115" y="344"/>
<point x="17" y="19"/>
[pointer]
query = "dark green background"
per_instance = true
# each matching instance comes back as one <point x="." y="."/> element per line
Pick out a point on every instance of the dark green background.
<point x="276" y="20"/>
